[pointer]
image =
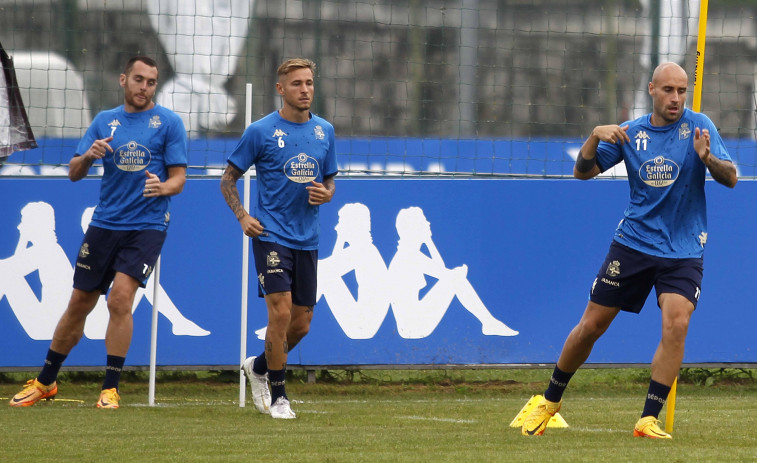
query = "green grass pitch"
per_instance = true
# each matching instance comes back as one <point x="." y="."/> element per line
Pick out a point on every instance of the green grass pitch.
<point x="380" y="416"/>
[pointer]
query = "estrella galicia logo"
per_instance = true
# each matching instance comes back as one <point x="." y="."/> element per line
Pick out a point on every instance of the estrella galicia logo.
<point x="301" y="168"/>
<point x="659" y="172"/>
<point x="131" y="157"/>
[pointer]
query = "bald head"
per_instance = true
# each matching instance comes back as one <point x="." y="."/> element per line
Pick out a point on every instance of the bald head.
<point x="668" y="70"/>
<point x="668" y="92"/>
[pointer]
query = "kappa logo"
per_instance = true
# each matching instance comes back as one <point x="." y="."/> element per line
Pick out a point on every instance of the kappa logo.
<point x="279" y="133"/>
<point x="114" y="124"/>
<point x="614" y="268"/>
<point x="642" y="140"/>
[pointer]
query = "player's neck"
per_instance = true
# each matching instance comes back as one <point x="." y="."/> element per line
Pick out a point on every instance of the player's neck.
<point x="294" y="115"/>
<point x="133" y="109"/>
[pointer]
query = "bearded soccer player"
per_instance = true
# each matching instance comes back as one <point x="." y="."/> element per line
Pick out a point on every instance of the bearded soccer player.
<point x="143" y="150"/>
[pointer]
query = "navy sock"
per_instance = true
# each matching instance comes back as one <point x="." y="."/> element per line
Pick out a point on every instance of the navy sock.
<point x="260" y="365"/>
<point x="50" y="369"/>
<point x="277" y="378"/>
<point x="557" y="384"/>
<point x="656" y="397"/>
<point x="113" y="371"/>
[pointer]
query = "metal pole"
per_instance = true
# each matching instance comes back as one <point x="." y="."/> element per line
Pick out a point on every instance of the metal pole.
<point x="154" y="333"/>
<point x="245" y="259"/>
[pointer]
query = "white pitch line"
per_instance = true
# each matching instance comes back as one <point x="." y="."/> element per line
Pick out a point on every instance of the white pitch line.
<point x="602" y="430"/>
<point x="442" y="420"/>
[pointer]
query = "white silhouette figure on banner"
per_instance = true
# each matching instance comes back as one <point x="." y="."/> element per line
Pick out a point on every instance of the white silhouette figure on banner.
<point x="203" y="40"/>
<point x="37" y="250"/>
<point x="359" y="317"/>
<point x="97" y="320"/>
<point x="418" y="317"/>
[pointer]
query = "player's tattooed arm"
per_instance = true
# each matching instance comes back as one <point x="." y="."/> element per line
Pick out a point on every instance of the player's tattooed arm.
<point x="230" y="192"/>
<point x="724" y="172"/>
<point x="250" y="225"/>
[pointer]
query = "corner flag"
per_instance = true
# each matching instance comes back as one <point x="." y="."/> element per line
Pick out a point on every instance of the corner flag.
<point x="15" y="132"/>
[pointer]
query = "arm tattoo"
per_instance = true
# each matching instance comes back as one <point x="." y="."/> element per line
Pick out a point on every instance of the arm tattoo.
<point x="230" y="192"/>
<point x="329" y="183"/>
<point x="722" y="171"/>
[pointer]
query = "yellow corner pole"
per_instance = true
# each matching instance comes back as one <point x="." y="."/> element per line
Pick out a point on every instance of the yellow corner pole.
<point x="696" y="105"/>
<point x="699" y="66"/>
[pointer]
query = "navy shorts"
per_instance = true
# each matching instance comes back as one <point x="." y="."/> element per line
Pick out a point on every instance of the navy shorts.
<point x="104" y="252"/>
<point x="627" y="276"/>
<point x="281" y="269"/>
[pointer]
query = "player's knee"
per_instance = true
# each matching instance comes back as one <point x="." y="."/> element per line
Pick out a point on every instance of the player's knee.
<point x="299" y="329"/>
<point x="676" y="329"/>
<point x="589" y="331"/>
<point x="119" y="306"/>
<point x="279" y="319"/>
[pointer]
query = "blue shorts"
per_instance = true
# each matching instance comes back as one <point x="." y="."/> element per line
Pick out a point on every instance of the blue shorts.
<point x="627" y="276"/>
<point x="281" y="269"/>
<point x="104" y="252"/>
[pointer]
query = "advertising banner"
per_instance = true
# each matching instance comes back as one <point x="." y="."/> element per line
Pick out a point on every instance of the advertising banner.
<point x="411" y="272"/>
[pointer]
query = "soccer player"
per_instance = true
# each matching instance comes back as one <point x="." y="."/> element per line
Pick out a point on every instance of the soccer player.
<point x="659" y="243"/>
<point x="295" y="161"/>
<point x="143" y="149"/>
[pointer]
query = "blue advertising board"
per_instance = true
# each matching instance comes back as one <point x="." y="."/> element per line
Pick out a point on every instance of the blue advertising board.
<point x="449" y="271"/>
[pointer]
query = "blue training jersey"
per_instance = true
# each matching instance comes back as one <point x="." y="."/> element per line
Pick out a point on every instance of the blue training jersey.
<point x="152" y="140"/>
<point x="287" y="156"/>
<point x="667" y="214"/>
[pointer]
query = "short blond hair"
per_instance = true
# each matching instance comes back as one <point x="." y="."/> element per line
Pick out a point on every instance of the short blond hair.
<point x="295" y="63"/>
